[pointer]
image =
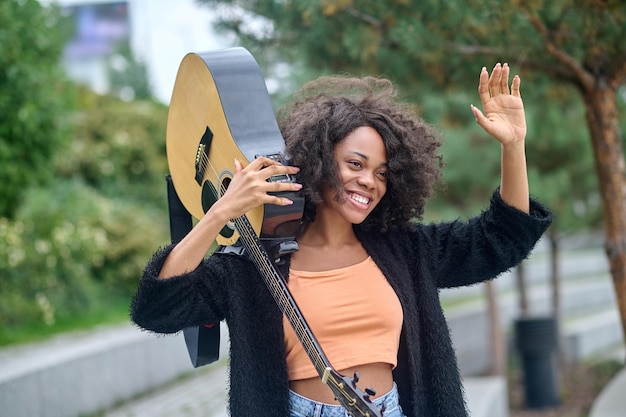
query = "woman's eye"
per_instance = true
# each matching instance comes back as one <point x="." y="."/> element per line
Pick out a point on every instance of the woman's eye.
<point x="355" y="164"/>
<point x="382" y="175"/>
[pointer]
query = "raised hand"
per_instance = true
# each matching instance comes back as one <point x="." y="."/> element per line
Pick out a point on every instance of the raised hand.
<point x="503" y="116"/>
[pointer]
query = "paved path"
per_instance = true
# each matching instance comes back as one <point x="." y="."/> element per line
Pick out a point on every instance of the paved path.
<point x="611" y="402"/>
<point x="204" y="394"/>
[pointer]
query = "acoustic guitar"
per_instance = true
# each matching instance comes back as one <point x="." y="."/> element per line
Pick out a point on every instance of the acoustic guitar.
<point x="221" y="110"/>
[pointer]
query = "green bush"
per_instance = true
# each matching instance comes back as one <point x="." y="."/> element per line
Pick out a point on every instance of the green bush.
<point x="35" y="97"/>
<point x="73" y="249"/>
<point x="70" y="251"/>
<point x="118" y="148"/>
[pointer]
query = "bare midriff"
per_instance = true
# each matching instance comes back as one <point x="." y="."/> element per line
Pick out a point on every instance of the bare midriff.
<point x="377" y="376"/>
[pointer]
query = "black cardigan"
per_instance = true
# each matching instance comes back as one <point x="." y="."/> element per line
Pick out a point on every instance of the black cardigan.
<point x="416" y="263"/>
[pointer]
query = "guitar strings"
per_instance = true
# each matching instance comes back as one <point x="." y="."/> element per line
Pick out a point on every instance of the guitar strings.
<point x="279" y="293"/>
<point x="350" y="403"/>
<point x="262" y="261"/>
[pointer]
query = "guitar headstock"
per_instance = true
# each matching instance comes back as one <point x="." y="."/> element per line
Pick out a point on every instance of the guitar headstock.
<point x="356" y="402"/>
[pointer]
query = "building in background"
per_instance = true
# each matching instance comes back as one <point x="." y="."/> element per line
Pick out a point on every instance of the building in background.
<point x="100" y="29"/>
<point x="158" y="32"/>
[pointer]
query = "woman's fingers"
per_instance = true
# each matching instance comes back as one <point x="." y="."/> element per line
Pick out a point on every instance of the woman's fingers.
<point x="498" y="81"/>
<point x="494" y="80"/>
<point x="515" y="91"/>
<point x="483" y="86"/>
<point x="253" y="181"/>
<point x="504" y="79"/>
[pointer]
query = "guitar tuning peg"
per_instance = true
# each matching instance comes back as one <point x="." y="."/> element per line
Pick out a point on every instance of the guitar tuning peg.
<point x="369" y="392"/>
<point x="355" y="378"/>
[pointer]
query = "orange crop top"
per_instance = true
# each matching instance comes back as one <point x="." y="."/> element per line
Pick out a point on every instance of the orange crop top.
<point x="354" y="314"/>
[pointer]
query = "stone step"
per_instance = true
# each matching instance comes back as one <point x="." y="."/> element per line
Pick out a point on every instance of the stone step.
<point x="578" y="298"/>
<point x="84" y="372"/>
<point x="592" y="335"/>
<point x="91" y="373"/>
<point x="589" y="300"/>
<point x="574" y="265"/>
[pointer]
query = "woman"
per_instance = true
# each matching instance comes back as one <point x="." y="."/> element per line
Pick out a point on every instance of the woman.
<point x="366" y="276"/>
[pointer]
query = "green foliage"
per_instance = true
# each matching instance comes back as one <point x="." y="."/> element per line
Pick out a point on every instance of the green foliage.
<point x="35" y="97"/>
<point x="82" y="187"/>
<point x="562" y="164"/>
<point x="72" y="250"/>
<point x="78" y="244"/>
<point x="129" y="76"/>
<point x="119" y="148"/>
<point x="472" y="158"/>
<point x="434" y="51"/>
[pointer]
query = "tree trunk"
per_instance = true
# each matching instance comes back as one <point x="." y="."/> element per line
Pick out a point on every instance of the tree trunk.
<point x="497" y="365"/>
<point x="555" y="274"/>
<point x="602" y="118"/>
<point x="520" y="276"/>
<point x="555" y="281"/>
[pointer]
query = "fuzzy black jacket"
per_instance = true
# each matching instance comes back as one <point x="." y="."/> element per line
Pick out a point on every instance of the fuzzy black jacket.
<point x="416" y="263"/>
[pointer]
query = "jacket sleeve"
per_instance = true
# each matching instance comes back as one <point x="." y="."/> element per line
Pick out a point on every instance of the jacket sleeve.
<point x="192" y="299"/>
<point x="483" y="247"/>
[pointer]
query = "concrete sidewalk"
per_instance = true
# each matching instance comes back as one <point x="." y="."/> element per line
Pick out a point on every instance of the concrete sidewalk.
<point x="204" y="394"/>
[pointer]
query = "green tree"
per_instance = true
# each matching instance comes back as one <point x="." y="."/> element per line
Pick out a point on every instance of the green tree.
<point x="79" y="244"/>
<point x="129" y="76"/>
<point x="35" y="97"/>
<point x="435" y="42"/>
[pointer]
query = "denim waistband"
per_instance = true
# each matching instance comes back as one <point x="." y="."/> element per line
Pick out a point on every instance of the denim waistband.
<point x="302" y="406"/>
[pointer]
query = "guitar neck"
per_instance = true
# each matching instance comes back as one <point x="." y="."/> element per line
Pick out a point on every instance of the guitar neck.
<point x="279" y="290"/>
<point x="356" y="403"/>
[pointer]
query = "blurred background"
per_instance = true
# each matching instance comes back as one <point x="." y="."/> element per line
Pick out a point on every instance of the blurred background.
<point x="84" y="95"/>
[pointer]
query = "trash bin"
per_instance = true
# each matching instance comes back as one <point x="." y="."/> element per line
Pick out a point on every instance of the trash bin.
<point x="536" y="340"/>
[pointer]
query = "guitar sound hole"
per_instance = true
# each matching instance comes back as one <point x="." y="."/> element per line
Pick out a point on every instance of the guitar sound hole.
<point x="229" y="229"/>
<point x="224" y="185"/>
<point x="209" y="197"/>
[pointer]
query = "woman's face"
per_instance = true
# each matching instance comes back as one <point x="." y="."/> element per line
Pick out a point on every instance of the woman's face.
<point x="362" y="161"/>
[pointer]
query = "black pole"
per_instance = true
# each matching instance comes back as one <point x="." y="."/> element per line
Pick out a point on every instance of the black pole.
<point x="537" y="343"/>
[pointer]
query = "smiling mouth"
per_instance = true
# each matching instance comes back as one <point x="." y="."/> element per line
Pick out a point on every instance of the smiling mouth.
<point x="359" y="198"/>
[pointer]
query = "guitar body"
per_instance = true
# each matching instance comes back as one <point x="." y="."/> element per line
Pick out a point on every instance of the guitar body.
<point x="221" y="111"/>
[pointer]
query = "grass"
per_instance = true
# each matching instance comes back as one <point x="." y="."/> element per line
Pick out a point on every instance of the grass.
<point x="116" y="312"/>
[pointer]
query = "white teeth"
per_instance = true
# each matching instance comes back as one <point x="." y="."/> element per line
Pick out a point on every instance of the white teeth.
<point x="359" y="199"/>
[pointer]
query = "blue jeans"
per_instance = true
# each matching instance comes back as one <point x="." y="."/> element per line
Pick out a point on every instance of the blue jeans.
<point x="300" y="406"/>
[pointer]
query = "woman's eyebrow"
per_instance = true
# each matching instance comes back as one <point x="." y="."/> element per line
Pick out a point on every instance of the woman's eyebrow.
<point x="360" y="154"/>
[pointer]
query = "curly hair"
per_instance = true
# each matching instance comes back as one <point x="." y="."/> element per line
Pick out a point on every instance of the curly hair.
<point x="324" y="111"/>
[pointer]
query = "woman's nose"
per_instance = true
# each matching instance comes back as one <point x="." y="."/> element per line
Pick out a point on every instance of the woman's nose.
<point x="366" y="179"/>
